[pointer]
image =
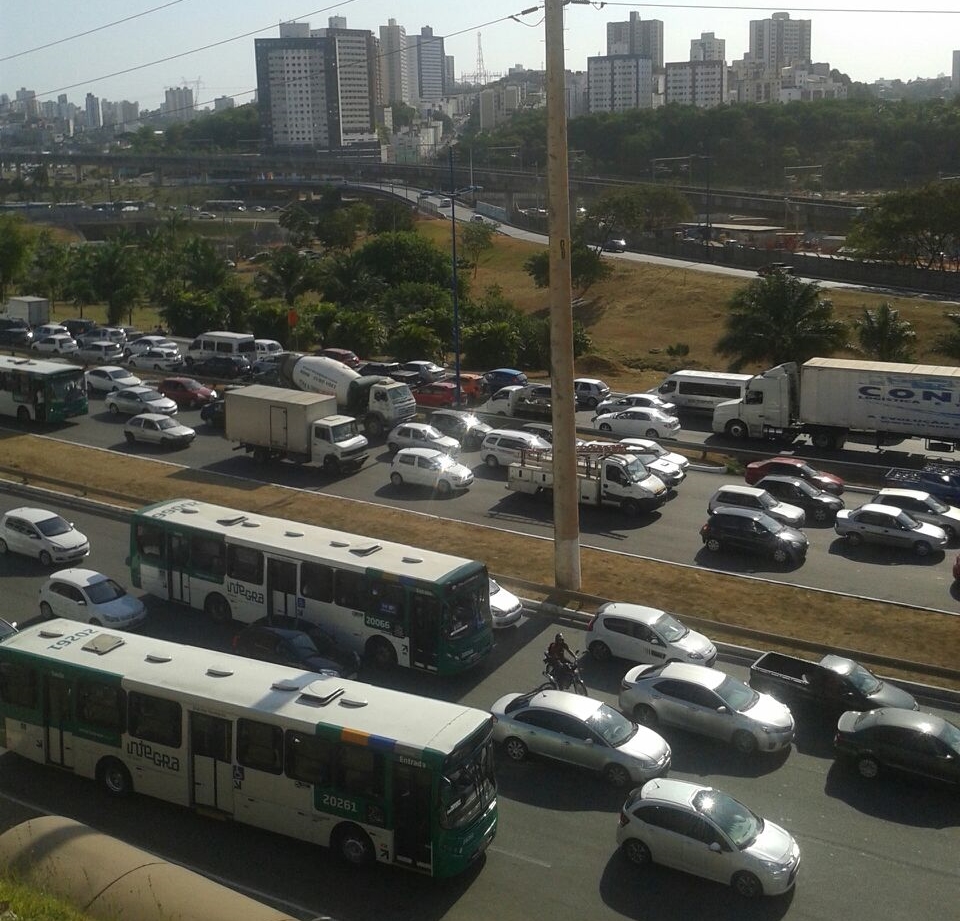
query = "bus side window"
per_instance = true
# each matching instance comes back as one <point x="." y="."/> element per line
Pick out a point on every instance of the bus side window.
<point x="309" y="759"/>
<point x="316" y="581"/>
<point x="149" y="542"/>
<point x="245" y="564"/>
<point x="100" y="705"/>
<point x="18" y="685"/>
<point x="348" y="589"/>
<point x="260" y="746"/>
<point x="387" y="601"/>
<point x="155" y="719"/>
<point x="359" y="771"/>
<point x="207" y="555"/>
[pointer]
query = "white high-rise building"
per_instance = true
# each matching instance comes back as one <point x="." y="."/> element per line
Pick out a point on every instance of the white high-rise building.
<point x="637" y="37"/>
<point x="955" y="81"/>
<point x="708" y="48"/>
<point x="178" y="104"/>
<point x="619" y="82"/>
<point x="430" y="66"/>
<point x="393" y="63"/>
<point x="696" y="83"/>
<point x="779" y="41"/>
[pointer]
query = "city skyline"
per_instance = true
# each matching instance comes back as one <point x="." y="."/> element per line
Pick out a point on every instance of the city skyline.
<point x="866" y="45"/>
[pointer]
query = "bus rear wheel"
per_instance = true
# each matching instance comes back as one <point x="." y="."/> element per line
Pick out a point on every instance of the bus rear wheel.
<point x="353" y="845"/>
<point x="381" y="653"/>
<point x="23" y="414"/>
<point x="114" y="777"/>
<point x="218" y="609"/>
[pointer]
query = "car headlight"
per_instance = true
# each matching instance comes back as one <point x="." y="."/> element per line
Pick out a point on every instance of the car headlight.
<point x="695" y="655"/>
<point x="775" y="868"/>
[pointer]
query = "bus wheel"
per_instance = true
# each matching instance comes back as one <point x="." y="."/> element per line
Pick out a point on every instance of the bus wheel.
<point x="23" y="414"/>
<point x="381" y="653"/>
<point x="353" y="845"/>
<point x="218" y="609"/>
<point x="114" y="777"/>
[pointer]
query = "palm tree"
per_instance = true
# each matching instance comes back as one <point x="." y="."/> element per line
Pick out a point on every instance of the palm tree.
<point x="779" y="318"/>
<point x="883" y="336"/>
<point x="287" y="275"/>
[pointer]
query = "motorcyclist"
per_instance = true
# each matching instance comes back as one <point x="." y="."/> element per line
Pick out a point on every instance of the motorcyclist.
<point x="560" y="660"/>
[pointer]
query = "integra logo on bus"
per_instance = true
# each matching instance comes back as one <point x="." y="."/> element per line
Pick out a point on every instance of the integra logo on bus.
<point x="241" y="591"/>
<point x="147" y="752"/>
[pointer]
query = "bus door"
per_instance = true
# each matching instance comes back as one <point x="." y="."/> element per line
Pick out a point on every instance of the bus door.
<point x="211" y="761"/>
<point x="58" y="719"/>
<point x="178" y="566"/>
<point x="424" y="631"/>
<point x="412" y="844"/>
<point x="281" y="587"/>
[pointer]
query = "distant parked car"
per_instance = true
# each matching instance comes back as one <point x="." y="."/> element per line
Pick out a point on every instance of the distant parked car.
<point x="429" y="371"/>
<point x="544" y="430"/>
<point x="186" y="392"/>
<point x="922" y="506"/>
<point x="793" y="466"/>
<point x="503" y="377"/>
<point x="505" y="607"/>
<point x="215" y="414"/>
<point x="590" y="391"/>
<point x="50" y="329"/>
<point x="431" y="468"/>
<point x="98" y="353"/>
<point x="345" y="356"/>
<point x="642" y="634"/>
<point x="16" y="332"/>
<point x="439" y="394"/>
<point x="617" y="245"/>
<point x="90" y="597"/>
<point x="137" y="400"/>
<point x="890" y="527"/>
<point x="820" y="505"/>
<point x="145" y="343"/>
<point x="670" y="466"/>
<point x="158" y="429"/>
<point x="650" y="423"/>
<point x="79" y="326"/>
<point x="464" y="426"/>
<point x="109" y="378"/>
<point x="221" y="367"/>
<point x="42" y="534"/>
<point x="105" y="334"/>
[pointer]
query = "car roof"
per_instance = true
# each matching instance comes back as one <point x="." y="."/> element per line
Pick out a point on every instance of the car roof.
<point x="419" y="452"/>
<point x="156" y="417"/>
<point x="695" y="674"/>
<point x="783" y="478"/>
<point x="903" y="493"/>
<point x="753" y="513"/>
<point x="79" y="576"/>
<point x="562" y="702"/>
<point x="901" y="718"/>
<point x="740" y="489"/>
<point x="881" y="509"/>
<point x="639" y="612"/>
<point x="589" y="380"/>
<point x="29" y="513"/>
<point x="668" y="790"/>
<point x="110" y="368"/>
<point x="282" y="632"/>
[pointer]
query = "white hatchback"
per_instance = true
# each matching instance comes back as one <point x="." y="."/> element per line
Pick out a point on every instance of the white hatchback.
<point x="90" y="597"/>
<point x="421" y="435"/>
<point x="42" y="534"/>
<point x="57" y="344"/>
<point x="505" y="607"/>
<point x="641" y="634"/>
<point x="429" y="467"/>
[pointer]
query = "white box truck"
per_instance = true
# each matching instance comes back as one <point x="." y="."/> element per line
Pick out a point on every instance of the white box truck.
<point x="830" y="398"/>
<point x="378" y="402"/>
<point x="607" y="474"/>
<point x="35" y="310"/>
<point x="273" y="423"/>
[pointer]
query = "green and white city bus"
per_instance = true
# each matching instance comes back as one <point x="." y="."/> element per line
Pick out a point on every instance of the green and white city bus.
<point x="375" y="774"/>
<point x="391" y="603"/>
<point x="45" y="391"/>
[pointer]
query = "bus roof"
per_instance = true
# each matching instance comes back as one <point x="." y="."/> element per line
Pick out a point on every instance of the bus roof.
<point x="34" y="366"/>
<point x="383" y="719"/>
<point x="311" y="542"/>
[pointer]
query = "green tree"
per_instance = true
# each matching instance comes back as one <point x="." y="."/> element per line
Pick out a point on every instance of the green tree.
<point x="115" y="276"/>
<point x="491" y="344"/>
<point x="779" y="318"/>
<point x="287" y="275"/>
<point x="359" y="330"/>
<point x="587" y="267"/>
<point x="637" y="210"/>
<point x="346" y="281"/>
<point x="298" y="223"/>
<point x="398" y="257"/>
<point x="336" y="230"/>
<point x="411" y="339"/>
<point x="391" y="217"/>
<point x="47" y="275"/>
<point x="949" y="343"/>
<point x="16" y="243"/>
<point x="476" y="239"/>
<point x="883" y="336"/>
<point x="202" y="266"/>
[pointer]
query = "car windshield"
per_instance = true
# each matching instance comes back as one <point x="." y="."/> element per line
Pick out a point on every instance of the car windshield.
<point x="301" y="645"/>
<point x="736" y="695"/>
<point x="771" y="525"/>
<point x="807" y="470"/>
<point x="670" y="628"/>
<point x="907" y="522"/>
<point x="950" y="735"/>
<point x="613" y="727"/>
<point x="166" y="424"/>
<point x="189" y="384"/>
<point x="399" y="394"/>
<point x="864" y="680"/>
<point x="148" y="397"/>
<point x="636" y="472"/>
<point x="739" y="824"/>
<point x="767" y="501"/>
<point x="344" y="430"/>
<point x="935" y="505"/>
<point x="494" y="587"/>
<point x="51" y="527"/>
<point x="104" y="591"/>
<point x="468" y="607"/>
<point x="807" y="488"/>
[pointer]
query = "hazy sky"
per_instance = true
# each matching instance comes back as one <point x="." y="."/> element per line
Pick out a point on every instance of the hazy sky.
<point x="166" y="43"/>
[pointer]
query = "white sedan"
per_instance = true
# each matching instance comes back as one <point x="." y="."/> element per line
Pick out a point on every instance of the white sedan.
<point x="644" y="422"/>
<point x="429" y="467"/>
<point x="90" y="597"/>
<point x="136" y="400"/>
<point x="143" y="343"/>
<point x="109" y="378"/>
<point x="630" y="400"/>
<point x="159" y="359"/>
<point x="158" y="429"/>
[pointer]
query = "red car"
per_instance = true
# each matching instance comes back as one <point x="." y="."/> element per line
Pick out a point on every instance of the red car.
<point x="793" y="466"/>
<point x="186" y="392"/>
<point x="440" y="394"/>
<point x="344" y="356"/>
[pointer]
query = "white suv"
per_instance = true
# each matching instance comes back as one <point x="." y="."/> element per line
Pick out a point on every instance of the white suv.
<point x="42" y="534"/>
<point x="503" y="447"/>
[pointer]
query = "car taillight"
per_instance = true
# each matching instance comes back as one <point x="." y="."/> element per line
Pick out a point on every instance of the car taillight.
<point x="593" y="620"/>
<point x="623" y="818"/>
<point x="236" y="641"/>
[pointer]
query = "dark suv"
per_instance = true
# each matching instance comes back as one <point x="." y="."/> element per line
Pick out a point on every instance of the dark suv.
<point x="221" y="367"/>
<point x="276" y="641"/>
<point x="79" y="327"/>
<point x="14" y="331"/>
<point x="748" y="531"/>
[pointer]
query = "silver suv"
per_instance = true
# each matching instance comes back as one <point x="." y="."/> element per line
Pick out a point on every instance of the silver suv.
<point x="758" y="500"/>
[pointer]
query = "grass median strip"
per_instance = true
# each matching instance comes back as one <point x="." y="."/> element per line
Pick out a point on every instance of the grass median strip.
<point x="803" y="614"/>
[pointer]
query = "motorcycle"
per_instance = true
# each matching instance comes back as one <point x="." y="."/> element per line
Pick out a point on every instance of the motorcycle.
<point x="564" y="676"/>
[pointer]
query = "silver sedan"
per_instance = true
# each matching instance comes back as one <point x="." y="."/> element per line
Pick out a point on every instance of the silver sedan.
<point x="892" y="527"/>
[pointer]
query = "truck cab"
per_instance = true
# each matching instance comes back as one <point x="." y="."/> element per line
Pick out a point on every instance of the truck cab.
<point x="768" y="407"/>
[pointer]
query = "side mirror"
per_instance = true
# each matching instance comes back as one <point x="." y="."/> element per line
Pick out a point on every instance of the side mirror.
<point x="723" y="708"/>
<point x="715" y="848"/>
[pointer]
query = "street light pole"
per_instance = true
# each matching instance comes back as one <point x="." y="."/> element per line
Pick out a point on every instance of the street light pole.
<point x="456" y="300"/>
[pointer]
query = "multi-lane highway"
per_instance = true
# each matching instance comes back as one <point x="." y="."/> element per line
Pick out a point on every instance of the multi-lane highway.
<point x="881" y="851"/>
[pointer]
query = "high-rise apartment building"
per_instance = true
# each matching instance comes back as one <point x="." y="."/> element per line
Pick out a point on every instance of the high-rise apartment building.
<point x="222" y="103"/>
<point x="91" y="110"/>
<point x="955" y="81"/>
<point x="430" y="66"/>
<point x="394" y="71"/>
<point x="177" y="104"/>
<point x="779" y="41"/>
<point x="708" y="48"/>
<point x="637" y="37"/>
<point x="696" y="83"/>
<point x="619" y="82"/>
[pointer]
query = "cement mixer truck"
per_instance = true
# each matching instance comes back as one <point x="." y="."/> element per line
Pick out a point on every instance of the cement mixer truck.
<point x="378" y="403"/>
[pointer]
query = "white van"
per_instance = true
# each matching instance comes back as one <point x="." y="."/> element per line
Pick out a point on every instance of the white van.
<point x="266" y="348"/>
<point x="221" y="342"/>
<point x="702" y="391"/>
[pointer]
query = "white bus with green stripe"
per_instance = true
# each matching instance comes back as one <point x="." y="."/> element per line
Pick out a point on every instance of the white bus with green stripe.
<point x="377" y="775"/>
<point x="391" y="603"/>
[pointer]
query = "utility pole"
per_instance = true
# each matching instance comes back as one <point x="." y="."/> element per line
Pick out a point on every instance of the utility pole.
<point x="566" y="507"/>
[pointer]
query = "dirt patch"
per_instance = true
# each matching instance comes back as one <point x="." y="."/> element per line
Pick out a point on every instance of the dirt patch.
<point x="731" y="605"/>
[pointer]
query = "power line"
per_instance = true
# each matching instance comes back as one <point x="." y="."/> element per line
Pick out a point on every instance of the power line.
<point x="774" y="9"/>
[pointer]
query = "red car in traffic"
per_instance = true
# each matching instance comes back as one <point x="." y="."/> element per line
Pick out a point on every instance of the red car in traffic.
<point x="793" y="466"/>
<point x="186" y="392"/>
<point x="441" y="394"/>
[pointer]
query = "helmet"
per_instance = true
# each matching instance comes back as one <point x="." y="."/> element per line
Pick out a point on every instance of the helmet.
<point x="558" y="638"/>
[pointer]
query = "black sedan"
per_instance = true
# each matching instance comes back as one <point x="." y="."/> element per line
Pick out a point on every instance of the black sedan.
<point x="296" y="648"/>
<point x="221" y="367"/>
<point x="215" y="414"/>
<point x="820" y="505"/>
<point x="908" y="741"/>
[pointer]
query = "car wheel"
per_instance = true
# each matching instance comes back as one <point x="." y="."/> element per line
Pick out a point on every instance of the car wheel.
<point x="780" y="555"/>
<point x="652" y="433"/>
<point x="94" y="622"/>
<point x="115" y="409"/>
<point x="46" y="612"/>
<point x="381" y="653"/>
<point x="605" y="427"/>
<point x="821" y="514"/>
<point x="354" y="846"/>
<point x="737" y="429"/>
<point x="744" y="742"/>
<point x="217" y="608"/>
<point x="854" y="539"/>
<point x="617" y="776"/>
<point x="515" y="748"/>
<point x="636" y="852"/>
<point x="631" y="508"/>
<point x="392" y="447"/>
<point x="45" y="558"/>
<point x="747" y="885"/>
<point x="396" y="479"/>
<point x="950" y="532"/>
<point x="114" y="777"/>
<point x="868" y="767"/>
<point x="600" y="651"/>
<point x="646" y="715"/>
<point x="491" y="461"/>
<point x="713" y="544"/>
<point x="921" y="548"/>
<point x="592" y="403"/>
<point x="444" y="488"/>
<point x="129" y="437"/>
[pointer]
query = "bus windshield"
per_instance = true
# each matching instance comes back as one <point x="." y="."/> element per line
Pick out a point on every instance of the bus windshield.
<point x="467" y="785"/>
<point x="468" y="607"/>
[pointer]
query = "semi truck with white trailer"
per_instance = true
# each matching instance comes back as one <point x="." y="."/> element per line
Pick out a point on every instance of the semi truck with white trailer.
<point x="378" y="403"/>
<point x="607" y="474"/>
<point x="274" y="423"/>
<point x="829" y="399"/>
